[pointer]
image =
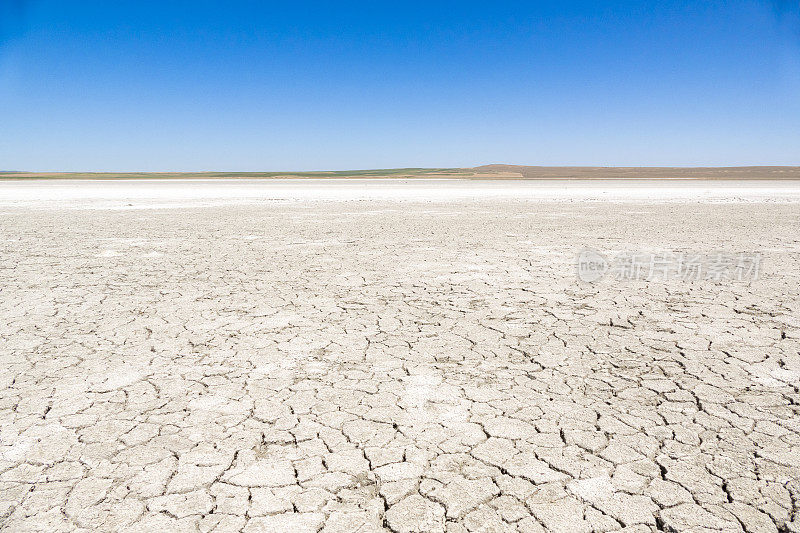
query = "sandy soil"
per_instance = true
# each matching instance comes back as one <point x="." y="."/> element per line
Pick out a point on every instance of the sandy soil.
<point x="389" y="362"/>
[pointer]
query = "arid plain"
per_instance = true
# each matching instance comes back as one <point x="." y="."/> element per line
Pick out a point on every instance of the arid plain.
<point x="308" y="355"/>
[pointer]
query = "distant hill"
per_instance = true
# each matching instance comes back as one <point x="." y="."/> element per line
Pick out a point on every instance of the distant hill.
<point x="481" y="172"/>
<point x="708" y="173"/>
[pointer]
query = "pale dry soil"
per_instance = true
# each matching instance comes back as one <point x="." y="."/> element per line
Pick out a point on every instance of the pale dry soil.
<point x="403" y="366"/>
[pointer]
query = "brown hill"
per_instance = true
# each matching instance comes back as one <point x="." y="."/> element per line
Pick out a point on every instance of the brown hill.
<point x="712" y="173"/>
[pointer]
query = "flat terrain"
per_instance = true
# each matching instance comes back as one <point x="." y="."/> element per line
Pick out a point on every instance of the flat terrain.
<point x="484" y="172"/>
<point x="301" y="361"/>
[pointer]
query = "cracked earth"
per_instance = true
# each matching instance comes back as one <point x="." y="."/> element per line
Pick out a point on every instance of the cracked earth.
<point x="402" y="366"/>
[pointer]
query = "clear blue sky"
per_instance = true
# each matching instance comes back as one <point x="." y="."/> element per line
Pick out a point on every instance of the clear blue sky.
<point x="234" y="85"/>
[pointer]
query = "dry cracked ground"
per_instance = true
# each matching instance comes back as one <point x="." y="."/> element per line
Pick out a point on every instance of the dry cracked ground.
<point x="403" y="366"/>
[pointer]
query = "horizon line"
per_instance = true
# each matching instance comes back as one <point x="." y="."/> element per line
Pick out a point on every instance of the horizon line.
<point x="489" y="166"/>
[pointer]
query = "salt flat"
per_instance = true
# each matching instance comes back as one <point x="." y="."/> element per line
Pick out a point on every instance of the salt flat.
<point x="408" y="356"/>
<point x="162" y="193"/>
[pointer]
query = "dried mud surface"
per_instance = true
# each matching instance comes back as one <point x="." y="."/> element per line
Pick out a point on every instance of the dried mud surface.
<point x="403" y="366"/>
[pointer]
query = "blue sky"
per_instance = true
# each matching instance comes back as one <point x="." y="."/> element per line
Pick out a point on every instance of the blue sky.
<point x="200" y="85"/>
